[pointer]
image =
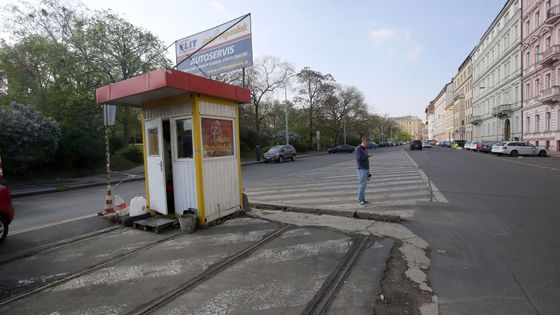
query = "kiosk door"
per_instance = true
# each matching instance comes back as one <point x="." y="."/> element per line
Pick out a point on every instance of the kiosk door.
<point x="156" y="167"/>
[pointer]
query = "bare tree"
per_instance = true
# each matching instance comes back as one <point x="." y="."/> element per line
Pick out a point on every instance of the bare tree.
<point x="315" y="88"/>
<point x="342" y="109"/>
<point x="266" y="76"/>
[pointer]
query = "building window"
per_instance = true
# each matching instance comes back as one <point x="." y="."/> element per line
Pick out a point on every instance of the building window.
<point x="184" y="138"/>
<point x="527" y="58"/>
<point x="547" y="43"/>
<point x="527" y="28"/>
<point x="516" y="97"/>
<point x="547" y="81"/>
<point x="527" y="124"/>
<point x="537" y="53"/>
<point x="547" y="121"/>
<point x="547" y="7"/>
<point x="527" y="91"/>
<point x="537" y="19"/>
<point x="537" y="88"/>
<point x="537" y="122"/>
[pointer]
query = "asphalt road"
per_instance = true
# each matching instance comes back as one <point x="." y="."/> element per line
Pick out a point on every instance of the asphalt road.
<point x="39" y="211"/>
<point x="494" y="247"/>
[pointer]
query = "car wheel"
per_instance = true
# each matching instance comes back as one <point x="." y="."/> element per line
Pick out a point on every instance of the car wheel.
<point x="514" y="153"/>
<point x="281" y="159"/>
<point x="542" y="153"/>
<point x="266" y="162"/>
<point x="3" y="228"/>
<point x="293" y="157"/>
<point x="499" y="154"/>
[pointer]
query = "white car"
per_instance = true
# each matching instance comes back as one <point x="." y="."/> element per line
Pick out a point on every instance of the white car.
<point x="515" y="148"/>
<point x="498" y="148"/>
<point x="426" y="144"/>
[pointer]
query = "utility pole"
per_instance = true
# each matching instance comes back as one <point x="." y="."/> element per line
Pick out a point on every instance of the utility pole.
<point x="344" y="127"/>
<point x="286" y="112"/>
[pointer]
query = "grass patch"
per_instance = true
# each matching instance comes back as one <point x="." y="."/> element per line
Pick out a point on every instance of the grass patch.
<point x="119" y="163"/>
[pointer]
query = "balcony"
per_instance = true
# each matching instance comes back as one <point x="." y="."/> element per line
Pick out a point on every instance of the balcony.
<point x="503" y="111"/>
<point x="550" y="56"/>
<point x="550" y="95"/>
<point x="476" y="120"/>
<point x="552" y="15"/>
<point x="458" y="97"/>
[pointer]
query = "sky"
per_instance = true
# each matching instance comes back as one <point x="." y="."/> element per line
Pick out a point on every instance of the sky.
<point x="398" y="53"/>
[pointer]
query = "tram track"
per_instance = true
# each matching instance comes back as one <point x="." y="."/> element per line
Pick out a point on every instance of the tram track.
<point x="111" y="261"/>
<point x="162" y="300"/>
<point x="326" y="294"/>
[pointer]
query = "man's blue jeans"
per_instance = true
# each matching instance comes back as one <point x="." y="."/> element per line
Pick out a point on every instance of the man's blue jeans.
<point x="362" y="177"/>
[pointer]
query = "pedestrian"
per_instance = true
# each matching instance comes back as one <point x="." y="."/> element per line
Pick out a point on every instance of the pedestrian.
<point x="362" y="159"/>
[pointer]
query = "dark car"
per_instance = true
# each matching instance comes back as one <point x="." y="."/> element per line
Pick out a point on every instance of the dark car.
<point x="384" y="144"/>
<point x="416" y="145"/>
<point x="280" y="153"/>
<point x="341" y="148"/>
<point x="461" y="143"/>
<point x="372" y="145"/>
<point x="486" y="146"/>
<point x="6" y="207"/>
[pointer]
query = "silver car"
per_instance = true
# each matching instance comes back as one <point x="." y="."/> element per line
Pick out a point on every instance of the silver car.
<point x="515" y="148"/>
<point x="280" y="153"/>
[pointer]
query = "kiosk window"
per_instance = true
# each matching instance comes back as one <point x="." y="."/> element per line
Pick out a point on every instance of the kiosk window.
<point x="153" y="144"/>
<point x="184" y="138"/>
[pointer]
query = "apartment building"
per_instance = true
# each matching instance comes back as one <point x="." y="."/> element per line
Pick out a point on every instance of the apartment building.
<point x="430" y="121"/>
<point x="441" y="102"/>
<point x="541" y="73"/>
<point x="462" y="102"/>
<point x="410" y="124"/>
<point x="496" y="66"/>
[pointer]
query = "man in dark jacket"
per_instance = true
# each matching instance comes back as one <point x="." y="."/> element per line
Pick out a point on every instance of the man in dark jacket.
<point x="362" y="159"/>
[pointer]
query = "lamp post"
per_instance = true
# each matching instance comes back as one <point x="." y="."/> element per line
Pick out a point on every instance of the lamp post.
<point x="286" y="111"/>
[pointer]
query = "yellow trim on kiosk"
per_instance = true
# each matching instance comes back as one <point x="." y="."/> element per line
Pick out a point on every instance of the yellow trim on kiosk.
<point x="217" y="100"/>
<point x="144" y="148"/>
<point x="198" y="159"/>
<point x="239" y="157"/>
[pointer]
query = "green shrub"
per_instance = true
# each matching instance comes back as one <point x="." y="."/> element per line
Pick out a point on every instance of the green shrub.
<point x="134" y="153"/>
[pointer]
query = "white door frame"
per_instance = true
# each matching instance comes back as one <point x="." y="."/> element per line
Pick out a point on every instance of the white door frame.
<point x="156" y="166"/>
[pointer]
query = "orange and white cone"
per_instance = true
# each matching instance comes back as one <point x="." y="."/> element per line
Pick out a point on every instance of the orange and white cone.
<point x="108" y="203"/>
<point x="120" y="206"/>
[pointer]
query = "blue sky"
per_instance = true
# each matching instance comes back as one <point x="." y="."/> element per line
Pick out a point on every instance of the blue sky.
<point x="398" y="53"/>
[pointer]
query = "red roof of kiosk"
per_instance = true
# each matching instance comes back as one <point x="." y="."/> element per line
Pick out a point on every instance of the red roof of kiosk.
<point x="163" y="83"/>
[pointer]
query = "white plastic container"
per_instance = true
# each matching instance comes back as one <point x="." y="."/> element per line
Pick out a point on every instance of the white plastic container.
<point x="137" y="206"/>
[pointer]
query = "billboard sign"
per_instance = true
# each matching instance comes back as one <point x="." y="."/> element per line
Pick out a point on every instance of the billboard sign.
<point x="230" y="51"/>
<point x="217" y="137"/>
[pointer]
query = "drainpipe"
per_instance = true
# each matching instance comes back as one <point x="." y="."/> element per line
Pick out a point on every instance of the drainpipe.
<point x="521" y="70"/>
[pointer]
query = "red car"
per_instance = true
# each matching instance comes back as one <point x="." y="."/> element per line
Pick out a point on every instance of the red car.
<point x="6" y="207"/>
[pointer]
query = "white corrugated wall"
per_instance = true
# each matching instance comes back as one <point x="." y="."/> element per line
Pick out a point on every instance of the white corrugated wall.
<point x="184" y="185"/>
<point x="220" y="174"/>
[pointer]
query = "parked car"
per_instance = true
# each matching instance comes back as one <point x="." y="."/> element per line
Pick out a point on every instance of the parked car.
<point x="516" y="148"/>
<point x="474" y="145"/>
<point x="426" y="144"/>
<point x="498" y="148"/>
<point x="341" y="148"/>
<point x="6" y="207"/>
<point x="446" y="144"/>
<point x="372" y="145"/>
<point x="280" y="153"/>
<point x="486" y="146"/>
<point x="467" y="145"/>
<point x="384" y="144"/>
<point x="416" y="145"/>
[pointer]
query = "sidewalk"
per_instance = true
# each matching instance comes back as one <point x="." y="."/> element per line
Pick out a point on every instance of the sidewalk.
<point x="44" y="186"/>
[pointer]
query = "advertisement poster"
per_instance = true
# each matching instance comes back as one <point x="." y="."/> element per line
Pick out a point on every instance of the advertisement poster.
<point x="232" y="50"/>
<point x="217" y="137"/>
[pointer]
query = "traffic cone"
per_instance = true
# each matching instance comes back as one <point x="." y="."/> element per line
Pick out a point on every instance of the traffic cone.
<point x="120" y="206"/>
<point x="108" y="203"/>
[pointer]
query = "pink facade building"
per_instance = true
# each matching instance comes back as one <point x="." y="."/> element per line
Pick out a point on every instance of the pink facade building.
<point x="541" y="72"/>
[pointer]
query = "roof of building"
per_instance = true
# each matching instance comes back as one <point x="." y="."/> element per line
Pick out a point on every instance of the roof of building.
<point x="406" y="118"/>
<point x="164" y="83"/>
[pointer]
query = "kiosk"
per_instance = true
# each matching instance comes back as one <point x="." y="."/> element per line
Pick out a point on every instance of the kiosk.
<point x="190" y="132"/>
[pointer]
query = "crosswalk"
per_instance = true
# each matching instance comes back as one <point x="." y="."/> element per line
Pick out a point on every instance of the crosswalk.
<point x="395" y="187"/>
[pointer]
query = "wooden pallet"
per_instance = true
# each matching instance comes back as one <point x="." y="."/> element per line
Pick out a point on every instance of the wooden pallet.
<point x="155" y="224"/>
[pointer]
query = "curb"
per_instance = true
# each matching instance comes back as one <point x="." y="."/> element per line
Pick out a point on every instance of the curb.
<point x="140" y="177"/>
<point x="297" y="156"/>
<point x="71" y="187"/>
<point x="356" y="214"/>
